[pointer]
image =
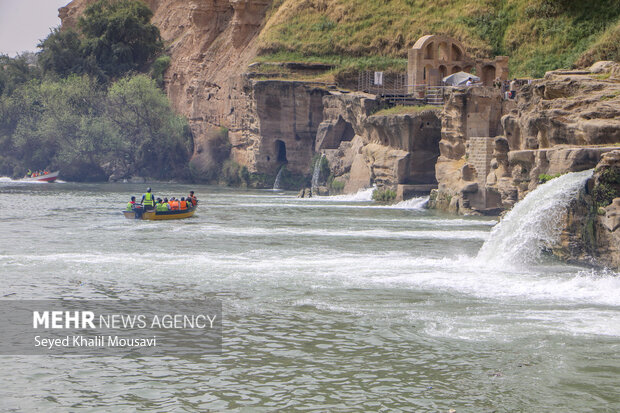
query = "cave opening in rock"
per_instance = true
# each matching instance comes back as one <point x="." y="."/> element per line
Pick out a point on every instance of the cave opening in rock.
<point x="423" y="152"/>
<point x="280" y="147"/>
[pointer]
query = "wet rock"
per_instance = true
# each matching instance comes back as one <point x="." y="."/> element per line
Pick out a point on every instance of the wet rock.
<point x="592" y="231"/>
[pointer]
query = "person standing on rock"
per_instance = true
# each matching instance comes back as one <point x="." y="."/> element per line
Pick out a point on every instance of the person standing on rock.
<point x="513" y="88"/>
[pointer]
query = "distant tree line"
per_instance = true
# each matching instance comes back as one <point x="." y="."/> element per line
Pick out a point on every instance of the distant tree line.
<point x="86" y="105"/>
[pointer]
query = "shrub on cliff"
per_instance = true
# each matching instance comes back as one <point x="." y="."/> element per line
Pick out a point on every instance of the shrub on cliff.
<point x="336" y="186"/>
<point x="605" y="48"/>
<point x="607" y="187"/>
<point x="115" y="37"/>
<point x="543" y="178"/>
<point x="383" y="195"/>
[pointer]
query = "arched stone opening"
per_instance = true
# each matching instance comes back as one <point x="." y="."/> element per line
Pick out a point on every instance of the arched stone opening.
<point x="443" y="51"/>
<point x="443" y="71"/>
<point x="429" y="52"/>
<point x="280" y="150"/>
<point x="457" y="54"/>
<point x="488" y="75"/>
<point x="428" y="70"/>
<point x="456" y="69"/>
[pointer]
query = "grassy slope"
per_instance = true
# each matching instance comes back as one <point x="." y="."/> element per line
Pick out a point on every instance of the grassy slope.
<point x="538" y="35"/>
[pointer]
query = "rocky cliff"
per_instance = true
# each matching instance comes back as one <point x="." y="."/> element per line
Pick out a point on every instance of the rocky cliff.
<point x="364" y="148"/>
<point x="591" y="231"/>
<point x="494" y="151"/>
<point x="211" y="43"/>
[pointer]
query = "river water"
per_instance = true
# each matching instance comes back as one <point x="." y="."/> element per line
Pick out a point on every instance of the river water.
<point x="337" y="304"/>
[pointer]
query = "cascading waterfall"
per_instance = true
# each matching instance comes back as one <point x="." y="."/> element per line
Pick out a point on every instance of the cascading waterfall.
<point x="276" y="183"/>
<point x="533" y="223"/>
<point x="316" y="174"/>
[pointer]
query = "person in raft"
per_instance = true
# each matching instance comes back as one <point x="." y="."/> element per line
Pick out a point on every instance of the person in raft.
<point x="148" y="201"/>
<point x="162" y="206"/>
<point x="192" y="198"/>
<point x="131" y="204"/>
<point x="183" y="205"/>
<point x="174" y="204"/>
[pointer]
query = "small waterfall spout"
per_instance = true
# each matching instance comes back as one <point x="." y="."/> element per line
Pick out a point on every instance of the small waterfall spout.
<point x="533" y="223"/>
<point x="316" y="174"/>
<point x="276" y="183"/>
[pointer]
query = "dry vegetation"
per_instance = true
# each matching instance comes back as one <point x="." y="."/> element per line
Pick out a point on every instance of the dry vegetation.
<point x="403" y="110"/>
<point x="538" y="35"/>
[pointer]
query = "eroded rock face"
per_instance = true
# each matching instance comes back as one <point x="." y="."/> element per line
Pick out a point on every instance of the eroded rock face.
<point x="288" y="116"/>
<point x="211" y="43"/>
<point x="592" y="231"/>
<point x="470" y="121"/>
<point x="563" y="123"/>
<point x="389" y="150"/>
<point x="565" y="109"/>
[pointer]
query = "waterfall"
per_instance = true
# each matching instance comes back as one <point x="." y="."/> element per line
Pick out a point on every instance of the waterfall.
<point x="276" y="183"/>
<point x="316" y="174"/>
<point x="533" y="223"/>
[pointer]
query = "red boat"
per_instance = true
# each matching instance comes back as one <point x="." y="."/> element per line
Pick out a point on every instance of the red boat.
<point x="50" y="177"/>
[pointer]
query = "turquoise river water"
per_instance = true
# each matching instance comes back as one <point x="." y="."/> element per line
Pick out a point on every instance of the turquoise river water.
<point x="332" y="304"/>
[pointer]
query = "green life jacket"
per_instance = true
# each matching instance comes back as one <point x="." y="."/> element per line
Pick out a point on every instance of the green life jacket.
<point x="148" y="199"/>
<point x="162" y="207"/>
<point x="129" y="206"/>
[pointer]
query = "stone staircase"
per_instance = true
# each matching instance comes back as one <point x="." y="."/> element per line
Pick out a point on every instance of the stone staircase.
<point x="434" y="96"/>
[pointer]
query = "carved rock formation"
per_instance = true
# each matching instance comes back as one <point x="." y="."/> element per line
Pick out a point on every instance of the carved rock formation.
<point x="562" y="123"/>
<point x="386" y="150"/>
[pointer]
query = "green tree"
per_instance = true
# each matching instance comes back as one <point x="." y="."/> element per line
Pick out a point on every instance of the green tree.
<point x="63" y="126"/>
<point x="16" y="71"/>
<point x="61" y="53"/>
<point x="155" y="140"/>
<point x="118" y="37"/>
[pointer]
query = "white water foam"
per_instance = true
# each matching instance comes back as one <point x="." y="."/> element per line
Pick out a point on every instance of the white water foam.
<point x="276" y="183"/>
<point x="460" y="275"/>
<point x="363" y="195"/>
<point x="7" y="180"/>
<point x="316" y="174"/>
<point x="413" y="203"/>
<point x="248" y="232"/>
<point x="533" y="223"/>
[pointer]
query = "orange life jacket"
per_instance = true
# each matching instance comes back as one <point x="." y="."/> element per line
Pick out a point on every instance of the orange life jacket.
<point x="183" y="204"/>
<point x="193" y="200"/>
<point x="174" y="205"/>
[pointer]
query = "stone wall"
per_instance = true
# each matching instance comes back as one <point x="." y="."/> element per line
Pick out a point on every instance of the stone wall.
<point x="479" y="155"/>
<point x="470" y="121"/>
